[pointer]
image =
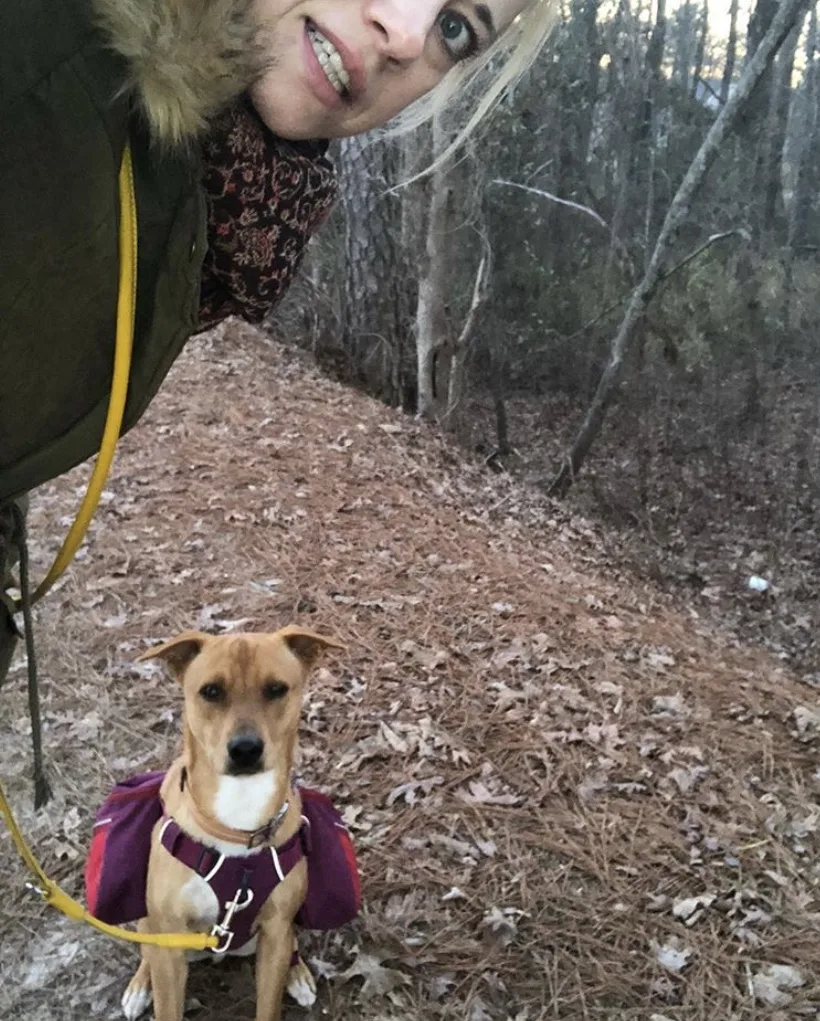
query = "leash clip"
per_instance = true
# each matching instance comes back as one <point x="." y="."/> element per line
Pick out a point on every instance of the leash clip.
<point x="222" y="930"/>
<point x="33" y="888"/>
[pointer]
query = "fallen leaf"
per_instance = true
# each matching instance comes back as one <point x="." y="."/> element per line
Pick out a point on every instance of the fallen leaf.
<point x="408" y="790"/>
<point x="478" y="794"/>
<point x="807" y="720"/>
<point x="687" y="779"/>
<point x="393" y="739"/>
<point x="690" y="909"/>
<point x="499" y="926"/>
<point x="323" y="969"/>
<point x="429" y="659"/>
<point x="770" y="984"/>
<point x="440" y="986"/>
<point x="673" y="957"/>
<point x="667" y="705"/>
<point x="478" y="1011"/>
<point x="378" y="980"/>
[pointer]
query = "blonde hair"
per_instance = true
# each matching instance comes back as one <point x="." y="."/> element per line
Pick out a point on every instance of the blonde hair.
<point x="515" y="51"/>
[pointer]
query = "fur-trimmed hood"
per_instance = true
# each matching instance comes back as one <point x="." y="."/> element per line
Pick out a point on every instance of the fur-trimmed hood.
<point x="187" y="58"/>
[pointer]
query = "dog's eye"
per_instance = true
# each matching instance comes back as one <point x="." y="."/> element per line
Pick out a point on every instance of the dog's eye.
<point x="212" y="692"/>
<point x="274" y="690"/>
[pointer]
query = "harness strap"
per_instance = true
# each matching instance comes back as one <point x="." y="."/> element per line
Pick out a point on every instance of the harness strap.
<point x="239" y="882"/>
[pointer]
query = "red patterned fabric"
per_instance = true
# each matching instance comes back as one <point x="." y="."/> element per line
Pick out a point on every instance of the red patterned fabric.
<point x="266" y="197"/>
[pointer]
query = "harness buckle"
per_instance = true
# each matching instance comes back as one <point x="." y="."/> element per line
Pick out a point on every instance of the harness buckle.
<point x="263" y="835"/>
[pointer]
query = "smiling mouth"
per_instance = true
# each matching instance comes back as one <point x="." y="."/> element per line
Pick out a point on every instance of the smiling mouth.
<point x="330" y="61"/>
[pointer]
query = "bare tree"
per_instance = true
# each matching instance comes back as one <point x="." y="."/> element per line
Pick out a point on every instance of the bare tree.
<point x="731" y="55"/>
<point x="808" y="170"/>
<point x="431" y="317"/>
<point x="375" y="309"/>
<point x="779" y="28"/>
<point x="441" y="348"/>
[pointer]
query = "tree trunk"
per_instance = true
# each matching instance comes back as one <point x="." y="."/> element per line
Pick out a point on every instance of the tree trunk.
<point x="700" y="52"/>
<point x="770" y="187"/>
<point x="806" y="176"/>
<point x="731" y="55"/>
<point x="431" y="319"/>
<point x="375" y="296"/>
<point x="458" y="356"/>
<point x="678" y="213"/>
<point x="806" y="186"/>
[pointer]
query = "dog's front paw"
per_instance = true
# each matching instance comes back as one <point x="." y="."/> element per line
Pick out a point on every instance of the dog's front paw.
<point x="301" y="984"/>
<point x="137" y="997"/>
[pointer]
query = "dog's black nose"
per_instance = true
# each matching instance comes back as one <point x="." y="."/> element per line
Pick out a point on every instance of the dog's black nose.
<point x="245" y="751"/>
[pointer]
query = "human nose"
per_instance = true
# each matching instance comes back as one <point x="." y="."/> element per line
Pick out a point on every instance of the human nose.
<point x="402" y="25"/>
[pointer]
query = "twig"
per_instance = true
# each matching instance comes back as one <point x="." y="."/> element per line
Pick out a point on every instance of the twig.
<point x="554" y="198"/>
<point x="738" y="231"/>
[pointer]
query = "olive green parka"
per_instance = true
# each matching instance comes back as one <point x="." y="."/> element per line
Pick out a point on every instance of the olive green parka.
<point x="77" y="79"/>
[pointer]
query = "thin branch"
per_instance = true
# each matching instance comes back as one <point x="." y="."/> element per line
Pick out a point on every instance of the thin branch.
<point x="676" y="216"/>
<point x="554" y="198"/>
<point x="737" y="232"/>
<point x="713" y="239"/>
<point x="572" y="205"/>
<point x="703" y="81"/>
<point x="481" y="290"/>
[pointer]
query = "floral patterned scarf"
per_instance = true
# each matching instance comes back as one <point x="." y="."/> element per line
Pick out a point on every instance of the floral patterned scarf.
<point x="266" y="197"/>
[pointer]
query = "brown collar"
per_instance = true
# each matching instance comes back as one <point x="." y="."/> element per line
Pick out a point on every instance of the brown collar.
<point x="213" y="828"/>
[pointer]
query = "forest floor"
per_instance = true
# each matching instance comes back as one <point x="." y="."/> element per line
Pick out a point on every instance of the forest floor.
<point x="573" y="795"/>
<point x="698" y="508"/>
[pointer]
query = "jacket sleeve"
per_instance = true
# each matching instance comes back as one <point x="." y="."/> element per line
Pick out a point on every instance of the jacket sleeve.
<point x="266" y="197"/>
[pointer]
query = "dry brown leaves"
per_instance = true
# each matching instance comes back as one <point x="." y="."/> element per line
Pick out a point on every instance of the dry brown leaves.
<point x="569" y="801"/>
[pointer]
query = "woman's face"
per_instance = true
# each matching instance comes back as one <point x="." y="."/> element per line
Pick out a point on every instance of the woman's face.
<point x="342" y="67"/>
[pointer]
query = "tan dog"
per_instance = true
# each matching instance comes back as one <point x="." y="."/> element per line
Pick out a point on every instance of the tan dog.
<point x="230" y="787"/>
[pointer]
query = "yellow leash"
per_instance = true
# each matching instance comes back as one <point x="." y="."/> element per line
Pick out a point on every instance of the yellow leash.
<point x="59" y="899"/>
<point x="126" y="305"/>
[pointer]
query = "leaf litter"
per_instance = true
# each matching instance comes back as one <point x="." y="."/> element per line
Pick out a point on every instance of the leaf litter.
<point x="568" y="802"/>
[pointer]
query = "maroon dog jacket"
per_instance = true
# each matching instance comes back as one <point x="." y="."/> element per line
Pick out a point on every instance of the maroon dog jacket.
<point x="117" y="866"/>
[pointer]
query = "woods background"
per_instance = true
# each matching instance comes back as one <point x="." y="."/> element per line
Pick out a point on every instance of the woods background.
<point x="487" y="297"/>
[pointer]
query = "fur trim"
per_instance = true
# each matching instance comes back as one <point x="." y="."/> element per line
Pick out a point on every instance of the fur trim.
<point x="187" y="58"/>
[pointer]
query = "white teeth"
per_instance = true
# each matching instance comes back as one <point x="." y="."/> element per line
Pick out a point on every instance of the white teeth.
<point x="330" y="59"/>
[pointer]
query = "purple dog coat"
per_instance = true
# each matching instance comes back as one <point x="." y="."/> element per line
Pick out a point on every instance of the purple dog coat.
<point x="117" y="866"/>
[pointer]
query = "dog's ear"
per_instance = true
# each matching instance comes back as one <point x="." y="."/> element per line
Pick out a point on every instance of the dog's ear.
<point x="177" y="652"/>
<point x="306" y="644"/>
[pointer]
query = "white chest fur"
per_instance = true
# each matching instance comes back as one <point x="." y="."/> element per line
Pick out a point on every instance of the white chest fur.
<point x="244" y="802"/>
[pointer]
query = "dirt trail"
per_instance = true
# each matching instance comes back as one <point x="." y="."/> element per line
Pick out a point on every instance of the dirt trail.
<point x="570" y="800"/>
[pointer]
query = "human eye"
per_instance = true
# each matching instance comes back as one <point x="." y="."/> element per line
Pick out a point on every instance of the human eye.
<point x="459" y="37"/>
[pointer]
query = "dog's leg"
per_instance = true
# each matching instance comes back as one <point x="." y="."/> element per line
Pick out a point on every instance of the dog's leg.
<point x="301" y="985"/>
<point x="272" y="965"/>
<point x="137" y="996"/>
<point x="169" y="976"/>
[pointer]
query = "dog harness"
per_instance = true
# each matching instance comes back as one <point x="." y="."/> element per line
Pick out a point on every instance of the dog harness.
<point x="241" y="884"/>
<point x="116" y="870"/>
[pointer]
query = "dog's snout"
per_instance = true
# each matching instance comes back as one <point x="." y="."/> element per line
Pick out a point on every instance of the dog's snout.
<point x="245" y="751"/>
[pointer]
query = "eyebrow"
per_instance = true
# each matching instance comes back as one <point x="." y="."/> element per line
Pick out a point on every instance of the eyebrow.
<point x="485" y="15"/>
